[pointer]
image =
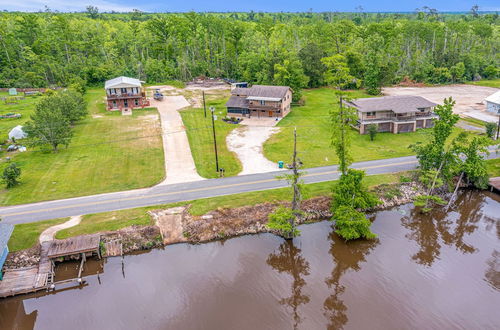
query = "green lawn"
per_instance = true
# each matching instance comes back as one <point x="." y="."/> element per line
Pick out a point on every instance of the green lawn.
<point x="109" y="152"/>
<point x="26" y="235"/>
<point x="493" y="167"/>
<point x="200" y="135"/>
<point x="24" y="107"/>
<point x="313" y="135"/>
<point x="485" y="82"/>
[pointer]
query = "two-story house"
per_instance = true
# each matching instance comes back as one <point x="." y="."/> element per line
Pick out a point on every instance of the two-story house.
<point x="124" y="93"/>
<point x="260" y="101"/>
<point x="396" y="114"/>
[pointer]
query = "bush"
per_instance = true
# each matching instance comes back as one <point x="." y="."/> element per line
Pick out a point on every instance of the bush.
<point x="372" y="131"/>
<point x="490" y="129"/>
<point x="10" y="175"/>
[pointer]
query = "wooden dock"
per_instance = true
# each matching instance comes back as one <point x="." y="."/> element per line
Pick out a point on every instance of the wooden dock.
<point x="30" y="279"/>
<point x="41" y="277"/>
<point x="494" y="183"/>
<point x="114" y="248"/>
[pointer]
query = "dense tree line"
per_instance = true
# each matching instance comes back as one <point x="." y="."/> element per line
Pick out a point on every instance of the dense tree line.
<point x="367" y="50"/>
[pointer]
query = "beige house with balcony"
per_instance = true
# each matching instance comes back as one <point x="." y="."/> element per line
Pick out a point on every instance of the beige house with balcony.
<point x="260" y="101"/>
<point x="395" y="114"/>
<point x="124" y="94"/>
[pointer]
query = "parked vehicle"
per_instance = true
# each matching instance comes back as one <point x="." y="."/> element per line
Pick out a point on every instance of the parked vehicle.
<point x="158" y="95"/>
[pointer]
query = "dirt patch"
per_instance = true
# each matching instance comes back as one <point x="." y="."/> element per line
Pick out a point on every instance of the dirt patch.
<point x="469" y="98"/>
<point x="135" y="238"/>
<point x="246" y="142"/>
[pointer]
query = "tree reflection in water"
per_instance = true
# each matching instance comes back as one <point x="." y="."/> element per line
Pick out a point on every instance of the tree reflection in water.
<point x="289" y="260"/>
<point x="439" y="227"/>
<point x="346" y="256"/>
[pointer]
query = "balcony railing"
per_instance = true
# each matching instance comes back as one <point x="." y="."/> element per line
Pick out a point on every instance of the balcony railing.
<point x="264" y="107"/>
<point x="399" y="118"/>
<point x="123" y="96"/>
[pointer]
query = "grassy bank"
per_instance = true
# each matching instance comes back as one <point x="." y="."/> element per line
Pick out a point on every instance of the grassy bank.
<point x="314" y="135"/>
<point x="114" y="220"/>
<point x="109" y="152"/>
<point x="200" y="135"/>
<point x="26" y="235"/>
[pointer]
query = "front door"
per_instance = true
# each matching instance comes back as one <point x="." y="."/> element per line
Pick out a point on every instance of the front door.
<point x="270" y="113"/>
<point x="125" y="103"/>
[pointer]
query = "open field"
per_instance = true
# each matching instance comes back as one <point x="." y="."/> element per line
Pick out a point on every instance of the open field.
<point x="313" y="135"/>
<point x="487" y="83"/>
<point x="109" y="152"/>
<point x="200" y="135"/>
<point x="24" y="107"/>
<point x="469" y="98"/>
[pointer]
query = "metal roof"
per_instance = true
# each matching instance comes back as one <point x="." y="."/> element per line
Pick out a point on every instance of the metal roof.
<point x="5" y="232"/>
<point x="494" y="98"/>
<point x="263" y="98"/>
<point x="122" y="82"/>
<point x="237" y="102"/>
<point x="397" y="104"/>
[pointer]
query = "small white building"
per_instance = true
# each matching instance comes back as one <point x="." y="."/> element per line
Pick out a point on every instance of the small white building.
<point x="493" y="103"/>
<point x="17" y="133"/>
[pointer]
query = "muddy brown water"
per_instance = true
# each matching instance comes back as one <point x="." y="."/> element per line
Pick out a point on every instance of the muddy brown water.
<point x="423" y="272"/>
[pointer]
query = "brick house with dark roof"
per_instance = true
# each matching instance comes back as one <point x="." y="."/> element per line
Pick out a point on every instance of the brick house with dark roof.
<point x="260" y="101"/>
<point x="396" y="114"/>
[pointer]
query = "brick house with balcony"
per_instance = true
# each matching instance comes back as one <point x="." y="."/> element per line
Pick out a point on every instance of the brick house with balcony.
<point x="395" y="114"/>
<point x="260" y="101"/>
<point x="124" y="94"/>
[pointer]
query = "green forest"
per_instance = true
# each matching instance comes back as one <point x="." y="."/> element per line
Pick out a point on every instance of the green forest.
<point x="297" y="49"/>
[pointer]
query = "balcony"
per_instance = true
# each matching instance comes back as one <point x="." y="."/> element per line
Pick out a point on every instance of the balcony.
<point x="123" y="96"/>
<point x="394" y="118"/>
<point x="264" y="107"/>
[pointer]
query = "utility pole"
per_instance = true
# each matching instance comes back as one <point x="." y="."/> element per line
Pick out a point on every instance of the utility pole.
<point x="212" y="109"/>
<point x="498" y="125"/>
<point x="204" y="105"/>
<point x="295" y="179"/>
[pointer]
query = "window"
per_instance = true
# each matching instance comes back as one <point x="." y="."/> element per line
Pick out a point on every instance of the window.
<point x="136" y="102"/>
<point x="262" y="102"/>
<point x="371" y="114"/>
<point x="124" y="90"/>
<point x="114" y="104"/>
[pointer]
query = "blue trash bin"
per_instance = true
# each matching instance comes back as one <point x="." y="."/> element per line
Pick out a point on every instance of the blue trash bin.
<point x="280" y="164"/>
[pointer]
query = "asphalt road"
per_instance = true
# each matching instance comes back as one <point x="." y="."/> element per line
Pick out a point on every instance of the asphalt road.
<point x="172" y="193"/>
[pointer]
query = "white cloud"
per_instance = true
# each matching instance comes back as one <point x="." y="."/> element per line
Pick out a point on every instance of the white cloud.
<point x="62" y="5"/>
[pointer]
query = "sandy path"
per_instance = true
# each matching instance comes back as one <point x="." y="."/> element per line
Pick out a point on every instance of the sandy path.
<point x="49" y="233"/>
<point x="179" y="163"/>
<point x="469" y="98"/>
<point x="247" y="142"/>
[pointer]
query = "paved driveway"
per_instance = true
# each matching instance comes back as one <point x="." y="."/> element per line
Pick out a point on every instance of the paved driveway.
<point x="179" y="163"/>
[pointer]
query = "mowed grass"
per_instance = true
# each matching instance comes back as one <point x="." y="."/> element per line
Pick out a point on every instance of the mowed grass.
<point x="24" y="107"/>
<point x="486" y="82"/>
<point x="493" y="167"/>
<point x="314" y="135"/>
<point x="109" y="152"/>
<point x="201" y="141"/>
<point x="26" y="235"/>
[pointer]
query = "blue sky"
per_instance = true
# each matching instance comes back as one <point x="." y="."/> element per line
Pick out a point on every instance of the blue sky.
<point x="256" y="5"/>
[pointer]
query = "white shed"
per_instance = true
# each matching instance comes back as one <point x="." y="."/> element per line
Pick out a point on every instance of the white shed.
<point x="17" y="133"/>
<point x="493" y="103"/>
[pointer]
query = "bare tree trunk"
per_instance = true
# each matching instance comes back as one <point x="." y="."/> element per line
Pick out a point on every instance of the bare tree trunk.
<point x="455" y="191"/>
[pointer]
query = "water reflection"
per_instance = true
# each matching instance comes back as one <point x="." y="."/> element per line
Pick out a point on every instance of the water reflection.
<point x="288" y="259"/>
<point x="14" y="316"/>
<point x="439" y="227"/>
<point x="492" y="274"/>
<point x="346" y="256"/>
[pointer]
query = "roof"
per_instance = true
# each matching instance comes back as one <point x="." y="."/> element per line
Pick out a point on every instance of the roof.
<point x="398" y="104"/>
<point x="237" y="102"/>
<point x="122" y="81"/>
<point x="5" y="232"/>
<point x="493" y="98"/>
<point x="276" y="92"/>
<point x="73" y="245"/>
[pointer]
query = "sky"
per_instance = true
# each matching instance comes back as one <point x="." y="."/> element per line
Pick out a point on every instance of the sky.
<point x="255" y="5"/>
